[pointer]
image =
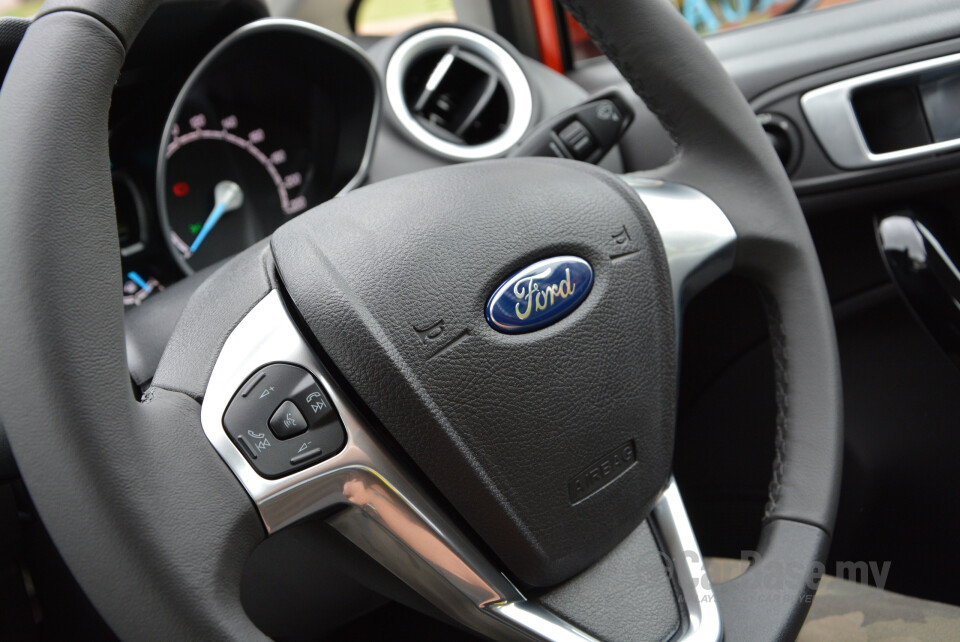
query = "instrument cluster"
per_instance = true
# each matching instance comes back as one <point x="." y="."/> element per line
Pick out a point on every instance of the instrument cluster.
<point x="279" y="117"/>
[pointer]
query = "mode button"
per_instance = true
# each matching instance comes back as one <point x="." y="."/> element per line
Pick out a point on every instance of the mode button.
<point x="287" y="421"/>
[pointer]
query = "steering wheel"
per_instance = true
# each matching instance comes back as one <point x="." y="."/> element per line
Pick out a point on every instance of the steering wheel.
<point x="516" y="479"/>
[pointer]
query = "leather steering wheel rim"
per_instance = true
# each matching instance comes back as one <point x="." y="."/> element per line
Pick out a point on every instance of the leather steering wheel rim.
<point x="673" y="71"/>
<point x="163" y="545"/>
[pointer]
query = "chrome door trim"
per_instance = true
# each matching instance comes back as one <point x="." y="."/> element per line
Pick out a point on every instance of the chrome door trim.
<point x="830" y="112"/>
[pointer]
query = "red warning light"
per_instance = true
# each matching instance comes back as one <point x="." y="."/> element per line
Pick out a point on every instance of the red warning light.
<point x="181" y="189"/>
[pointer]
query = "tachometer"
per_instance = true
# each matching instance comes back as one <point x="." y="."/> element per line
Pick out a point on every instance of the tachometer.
<point x="225" y="188"/>
<point x="279" y="117"/>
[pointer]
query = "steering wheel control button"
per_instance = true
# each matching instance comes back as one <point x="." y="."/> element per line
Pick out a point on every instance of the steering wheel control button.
<point x="585" y="132"/>
<point x="252" y="383"/>
<point x="245" y="446"/>
<point x="316" y="407"/>
<point x="305" y="456"/>
<point x="282" y="420"/>
<point x="287" y="421"/>
<point x="577" y="139"/>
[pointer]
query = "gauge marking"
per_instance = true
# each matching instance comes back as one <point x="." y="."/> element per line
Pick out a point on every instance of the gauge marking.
<point x="249" y="144"/>
<point x="180" y="244"/>
<point x="136" y="288"/>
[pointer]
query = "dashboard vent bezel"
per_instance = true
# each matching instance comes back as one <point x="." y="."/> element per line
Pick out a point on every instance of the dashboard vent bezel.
<point x="511" y="75"/>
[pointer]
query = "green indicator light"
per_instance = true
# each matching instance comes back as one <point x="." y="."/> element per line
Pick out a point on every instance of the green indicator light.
<point x="195" y="228"/>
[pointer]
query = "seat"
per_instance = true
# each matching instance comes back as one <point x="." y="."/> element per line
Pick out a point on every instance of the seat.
<point x="850" y="611"/>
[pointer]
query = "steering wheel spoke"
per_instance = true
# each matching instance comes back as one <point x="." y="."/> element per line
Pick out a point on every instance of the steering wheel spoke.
<point x="371" y="499"/>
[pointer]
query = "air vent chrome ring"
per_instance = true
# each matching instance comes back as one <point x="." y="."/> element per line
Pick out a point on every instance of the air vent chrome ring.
<point x="512" y="76"/>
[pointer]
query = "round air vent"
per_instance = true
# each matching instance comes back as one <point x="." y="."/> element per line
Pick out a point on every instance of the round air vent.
<point x="458" y="93"/>
<point x="782" y="134"/>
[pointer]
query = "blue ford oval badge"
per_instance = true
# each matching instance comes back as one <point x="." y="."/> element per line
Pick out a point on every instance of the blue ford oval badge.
<point x="540" y="294"/>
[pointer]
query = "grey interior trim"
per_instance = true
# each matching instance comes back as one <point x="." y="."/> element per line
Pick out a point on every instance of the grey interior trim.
<point x="816" y="174"/>
<point x="843" y="35"/>
<point x="521" y="95"/>
<point x="833" y="120"/>
<point x="765" y="57"/>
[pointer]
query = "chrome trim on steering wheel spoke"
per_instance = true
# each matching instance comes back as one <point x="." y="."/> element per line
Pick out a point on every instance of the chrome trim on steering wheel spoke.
<point x="386" y="513"/>
<point x="701" y="622"/>
<point x="698" y="238"/>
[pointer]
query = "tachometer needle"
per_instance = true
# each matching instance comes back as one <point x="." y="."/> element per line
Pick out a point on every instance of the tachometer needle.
<point x="227" y="196"/>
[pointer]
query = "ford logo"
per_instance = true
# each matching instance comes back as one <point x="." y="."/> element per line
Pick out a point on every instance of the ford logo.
<point x="539" y="294"/>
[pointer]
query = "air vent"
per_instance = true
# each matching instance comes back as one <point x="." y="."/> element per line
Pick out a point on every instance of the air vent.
<point x="459" y="93"/>
<point x="783" y="136"/>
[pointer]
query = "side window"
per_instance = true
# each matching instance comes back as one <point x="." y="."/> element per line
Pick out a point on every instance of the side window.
<point x="19" y="8"/>
<point x="387" y="17"/>
<point x="708" y="17"/>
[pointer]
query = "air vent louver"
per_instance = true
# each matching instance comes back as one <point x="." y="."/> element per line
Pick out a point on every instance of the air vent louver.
<point x="459" y="93"/>
<point x="457" y="96"/>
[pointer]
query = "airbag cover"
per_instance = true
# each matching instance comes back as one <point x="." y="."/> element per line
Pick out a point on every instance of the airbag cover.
<point x="552" y="444"/>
